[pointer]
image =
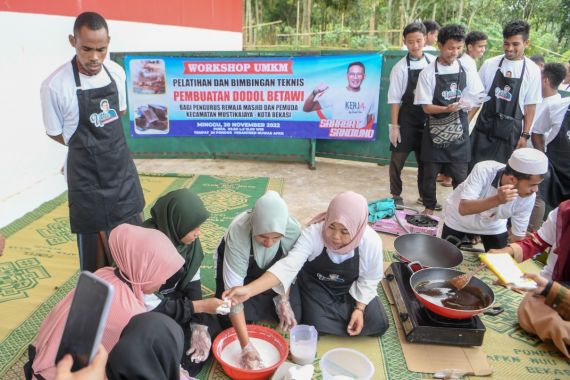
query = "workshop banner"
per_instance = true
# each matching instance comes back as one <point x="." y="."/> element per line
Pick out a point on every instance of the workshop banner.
<point x="323" y="97"/>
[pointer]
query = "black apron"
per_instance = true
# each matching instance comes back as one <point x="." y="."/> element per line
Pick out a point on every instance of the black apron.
<point x="411" y="118"/>
<point x="499" y="125"/>
<point x="104" y="188"/>
<point x="320" y="297"/>
<point x="457" y="151"/>
<point x="260" y="307"/>
<point x="558" y="153"/>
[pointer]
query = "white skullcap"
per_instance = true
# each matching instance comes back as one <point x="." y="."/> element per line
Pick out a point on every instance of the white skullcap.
<point x="529" y="161"/>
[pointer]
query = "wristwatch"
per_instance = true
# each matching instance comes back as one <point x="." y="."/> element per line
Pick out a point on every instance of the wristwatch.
<point x="525" y="135"/>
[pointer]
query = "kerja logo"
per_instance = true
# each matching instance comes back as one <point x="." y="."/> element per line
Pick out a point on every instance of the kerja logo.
<point x="105" y="117"/>
<point x="452" y="93"/>
<point x="504" y="94"/>
<point x="351" y="106"/>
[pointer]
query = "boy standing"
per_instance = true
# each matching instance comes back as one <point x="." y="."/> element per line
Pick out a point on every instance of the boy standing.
<point x="407" y="119"/>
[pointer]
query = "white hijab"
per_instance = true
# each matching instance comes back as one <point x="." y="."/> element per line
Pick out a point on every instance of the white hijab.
<point x="269" y="214"/>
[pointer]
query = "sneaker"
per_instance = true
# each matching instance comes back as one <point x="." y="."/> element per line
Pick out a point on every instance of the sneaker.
<point x="438" y="207"/>
<point x="398" y="201"/>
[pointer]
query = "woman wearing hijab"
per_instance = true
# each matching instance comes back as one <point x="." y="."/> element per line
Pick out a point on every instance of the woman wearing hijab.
<point x="545" y="311"/>
<point x="338" y="264"/>
<point x="145" y="260"/>
<point x="150" y="348"/>
<point x="179" y="215"/>
<point x="256" y="239"/>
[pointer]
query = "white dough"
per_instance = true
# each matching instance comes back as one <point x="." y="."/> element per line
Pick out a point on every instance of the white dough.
<point x="269" y="354"/>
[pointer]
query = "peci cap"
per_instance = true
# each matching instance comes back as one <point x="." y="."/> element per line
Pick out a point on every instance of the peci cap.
<point x="529" y="161"/>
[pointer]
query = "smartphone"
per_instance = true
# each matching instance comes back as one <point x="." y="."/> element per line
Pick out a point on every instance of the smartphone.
<point x="86" y="320"/>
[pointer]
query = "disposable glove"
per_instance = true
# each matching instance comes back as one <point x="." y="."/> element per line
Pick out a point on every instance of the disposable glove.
<point x="250" y="358"/>
<point x="285" y="313"/>
<point x="395" y="137"/>
<point x="200" y="344"/>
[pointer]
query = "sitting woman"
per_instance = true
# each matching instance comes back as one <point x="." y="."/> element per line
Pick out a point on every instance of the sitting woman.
<point x="134" y="250"/>
<point x="179" y="215"/>
<point x="338" y="265"/>
<point x="255" y="240"/>
<point x="548" y="316"/>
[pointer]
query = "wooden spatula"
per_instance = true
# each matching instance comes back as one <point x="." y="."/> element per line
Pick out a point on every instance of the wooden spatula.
<point x="461" y="281"/>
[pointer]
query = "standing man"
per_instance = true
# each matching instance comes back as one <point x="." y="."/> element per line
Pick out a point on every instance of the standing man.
<point x="475" y="46"/>
<point x="347" y="103"/>
<point x="513" y="83"/>
<point x="493" y="193"/>
<point x="407" y="119"/>
<point x="543" y="125"/>
<point x="79" y="104"/>
<point x="551" y="133"/>
<point x="445" y="141"/>
<point x="432" y="31"/>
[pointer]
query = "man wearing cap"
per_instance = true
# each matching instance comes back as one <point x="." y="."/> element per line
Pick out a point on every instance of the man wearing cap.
<point x="492" y="193"/>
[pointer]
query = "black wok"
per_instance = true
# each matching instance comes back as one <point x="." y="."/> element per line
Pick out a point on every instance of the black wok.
<point x="429" y="251"/>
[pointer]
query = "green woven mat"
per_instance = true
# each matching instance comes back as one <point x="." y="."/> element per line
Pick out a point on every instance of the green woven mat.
<point x="224" y="196"/>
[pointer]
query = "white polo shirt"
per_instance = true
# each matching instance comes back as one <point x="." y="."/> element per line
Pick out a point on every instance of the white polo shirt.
<point x="399" y="77"/>
<point x="483" y="183"/>
<point x="530" y="92"/>
<point x="468" y="62"/>
<point x="548" y="119"/>
<point x="60" y="108"/>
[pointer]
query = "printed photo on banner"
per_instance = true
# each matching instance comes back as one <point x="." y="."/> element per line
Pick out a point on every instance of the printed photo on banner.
<point x="322" y="97"/>
<point x="151" y="119"/>
<point x="148" y="76"/>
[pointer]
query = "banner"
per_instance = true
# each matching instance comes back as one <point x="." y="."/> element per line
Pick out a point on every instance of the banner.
<point x="323" y="97"/>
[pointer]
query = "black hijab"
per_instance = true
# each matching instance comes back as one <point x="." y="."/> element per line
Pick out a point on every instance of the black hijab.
<point x="150" y="348"/>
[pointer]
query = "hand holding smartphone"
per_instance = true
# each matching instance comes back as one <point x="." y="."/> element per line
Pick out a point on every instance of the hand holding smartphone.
<point x="86" y="320"/>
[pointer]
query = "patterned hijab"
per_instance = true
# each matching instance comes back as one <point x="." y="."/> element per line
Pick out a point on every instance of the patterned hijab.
<point x="349" y="209"/>
<point x="145" y="260"/>
<point x="175" y="214"/>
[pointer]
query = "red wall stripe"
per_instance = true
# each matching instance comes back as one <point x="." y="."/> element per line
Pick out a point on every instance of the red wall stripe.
<point x="209" y="14"/>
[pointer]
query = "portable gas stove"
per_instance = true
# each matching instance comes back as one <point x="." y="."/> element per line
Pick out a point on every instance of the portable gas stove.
<point x="421" y="325"/>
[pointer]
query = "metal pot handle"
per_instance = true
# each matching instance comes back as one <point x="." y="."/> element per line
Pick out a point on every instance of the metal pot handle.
<point x="411" y="266"/>
<point x="454" y="240"/>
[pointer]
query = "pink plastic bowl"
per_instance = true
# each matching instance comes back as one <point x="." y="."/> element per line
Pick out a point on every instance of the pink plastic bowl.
<point x="228" y="336"/>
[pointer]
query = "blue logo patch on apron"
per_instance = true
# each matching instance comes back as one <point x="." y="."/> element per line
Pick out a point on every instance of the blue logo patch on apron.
<point x="504" y="94"/>
<point x="107" y="115"/>
<point x="453" y="92"/>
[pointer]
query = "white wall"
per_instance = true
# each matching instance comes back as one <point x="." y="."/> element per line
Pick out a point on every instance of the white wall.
<point x="33" y="46"/>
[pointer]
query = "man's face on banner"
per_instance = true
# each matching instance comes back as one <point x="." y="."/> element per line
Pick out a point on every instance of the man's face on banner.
<point x="355" y="76"/>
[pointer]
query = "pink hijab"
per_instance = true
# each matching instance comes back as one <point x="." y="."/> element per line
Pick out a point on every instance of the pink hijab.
<point x="146" y="259"/>
<point x="349" y="209"/>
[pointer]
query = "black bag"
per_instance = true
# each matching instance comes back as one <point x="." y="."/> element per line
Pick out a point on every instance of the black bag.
<point x="447" y="130"/>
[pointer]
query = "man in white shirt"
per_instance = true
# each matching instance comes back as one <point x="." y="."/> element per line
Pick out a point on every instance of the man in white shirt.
<point x="552" y="75"/>
<point x="445" y="141"/>
<point x="512" y="81"/>
<point x="348" y="103"/>
<point x="475" y="46"/>
<point x="551" y="133"/>
<point x="80" y="105"/>
<point x="407" y="119"/>
<point x="493" y="193"/>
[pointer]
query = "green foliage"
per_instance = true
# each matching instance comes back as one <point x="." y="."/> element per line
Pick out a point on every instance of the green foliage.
<point x="377" y="24"/>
